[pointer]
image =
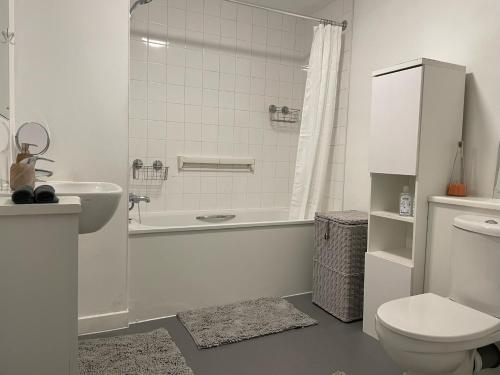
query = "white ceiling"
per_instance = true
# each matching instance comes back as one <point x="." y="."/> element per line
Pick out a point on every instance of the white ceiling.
<point x="307" y="7"/>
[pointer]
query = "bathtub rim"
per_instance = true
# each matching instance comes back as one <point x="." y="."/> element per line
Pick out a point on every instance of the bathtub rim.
<point x="135" y="229"/>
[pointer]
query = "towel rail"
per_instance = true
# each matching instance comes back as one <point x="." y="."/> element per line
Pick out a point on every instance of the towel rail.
<point x="215" y="163"/>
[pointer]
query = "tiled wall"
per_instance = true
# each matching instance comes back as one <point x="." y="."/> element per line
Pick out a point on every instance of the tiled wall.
<point x="202" y="85"/>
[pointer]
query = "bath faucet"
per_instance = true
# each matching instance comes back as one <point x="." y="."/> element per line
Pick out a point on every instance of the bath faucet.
<point x="133" y="199"/>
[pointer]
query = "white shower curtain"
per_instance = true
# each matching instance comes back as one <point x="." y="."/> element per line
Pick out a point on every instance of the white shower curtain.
<point x="318" y="114"/>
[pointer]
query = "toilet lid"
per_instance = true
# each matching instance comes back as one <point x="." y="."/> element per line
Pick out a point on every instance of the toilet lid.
<point x="433" y="318"/>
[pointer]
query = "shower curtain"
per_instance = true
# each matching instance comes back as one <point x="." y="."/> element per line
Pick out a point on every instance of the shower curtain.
<point x="311" y="167"/>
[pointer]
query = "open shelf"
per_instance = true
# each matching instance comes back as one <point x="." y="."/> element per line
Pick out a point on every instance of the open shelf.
<point x="393" y="216"/>
<point x="386" y="190"/>
<point x="392" y="237"/>
<point x="401" y="256"/>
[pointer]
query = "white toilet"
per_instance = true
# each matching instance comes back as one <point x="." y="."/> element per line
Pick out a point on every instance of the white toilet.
<point x="429" y="334"/>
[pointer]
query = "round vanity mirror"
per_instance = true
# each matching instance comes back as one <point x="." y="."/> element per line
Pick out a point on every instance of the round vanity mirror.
<point x="34" y="134"/>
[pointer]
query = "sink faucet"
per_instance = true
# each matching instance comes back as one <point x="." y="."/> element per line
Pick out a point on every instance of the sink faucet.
<point x="39" y="173"/>
<point x="134" y="198"/>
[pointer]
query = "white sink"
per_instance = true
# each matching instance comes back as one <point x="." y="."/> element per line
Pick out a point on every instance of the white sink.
<point x="99" y="201"/>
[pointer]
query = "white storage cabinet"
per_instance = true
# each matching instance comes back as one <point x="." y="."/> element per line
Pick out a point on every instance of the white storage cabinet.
<point x="416" y="123"/>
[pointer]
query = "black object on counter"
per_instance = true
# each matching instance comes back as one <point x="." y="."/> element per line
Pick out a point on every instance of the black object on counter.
<point x="45" y="194"/>
<point x="23" y="195"/>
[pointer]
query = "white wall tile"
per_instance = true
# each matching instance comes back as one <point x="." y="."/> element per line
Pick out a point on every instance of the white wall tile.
<point x="228" y="10"/>
<point x="228" y="28"/>
<point x="138" y="70"/>
<point x="193" y="95"/>
<point x="226" y="99"/>
<point x="212" y="7"/>
<point x="176" y="74"/>
<point x="244" y="31"/>
<point x="259" y="17"/>
<point x="195" y="5"/>
<point x="176" y="18"/>
<point x="193" y="77"/>
<point x="212" y="25"/>
<point x="180" y="4"/>
<point x="193" y="114"/>
<point x="194" y="58"/>
<point x="175" y="112"/>
<point x="210" y="98"/>
<point x="227" y="82"/>
<point x="244" y="14"/>
<point x="210" y="61"/>
<point x="194" y="21"/>
<point x="211" y="80"/>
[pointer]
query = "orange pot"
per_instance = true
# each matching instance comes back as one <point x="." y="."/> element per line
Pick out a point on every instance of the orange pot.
<point x="457" y="190"/>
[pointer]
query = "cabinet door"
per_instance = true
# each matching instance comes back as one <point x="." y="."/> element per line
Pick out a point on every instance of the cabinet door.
<point x="395" y="120"/>
<point x="384" y="281"/>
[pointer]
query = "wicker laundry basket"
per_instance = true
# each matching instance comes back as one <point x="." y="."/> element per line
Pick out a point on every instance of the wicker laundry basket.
<point x="339" y="262"/>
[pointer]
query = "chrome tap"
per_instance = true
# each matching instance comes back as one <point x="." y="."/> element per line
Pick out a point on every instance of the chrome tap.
<point x="134" y="198"/>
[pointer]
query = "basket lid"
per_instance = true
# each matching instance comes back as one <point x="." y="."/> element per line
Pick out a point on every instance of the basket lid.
<point x="345" y="217"/>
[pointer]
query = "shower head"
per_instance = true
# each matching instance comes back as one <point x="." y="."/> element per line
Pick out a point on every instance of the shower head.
<point x="136" y="4"/>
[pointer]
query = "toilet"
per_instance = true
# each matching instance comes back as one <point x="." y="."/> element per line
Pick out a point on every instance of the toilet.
<point x="429" y="334"/>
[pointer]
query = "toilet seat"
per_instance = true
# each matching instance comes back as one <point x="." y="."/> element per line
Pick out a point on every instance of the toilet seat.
<point x="432" y="318"/>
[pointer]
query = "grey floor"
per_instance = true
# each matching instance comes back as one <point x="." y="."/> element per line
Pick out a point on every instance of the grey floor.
<point x="319" y="350"/>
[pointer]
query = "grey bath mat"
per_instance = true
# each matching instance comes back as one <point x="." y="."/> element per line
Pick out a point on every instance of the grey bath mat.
<point x="214" y="326"/>
<point x="152" y="353"/>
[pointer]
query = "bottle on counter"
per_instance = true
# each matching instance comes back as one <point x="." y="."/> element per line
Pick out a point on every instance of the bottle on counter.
<point x="406" y="202"/>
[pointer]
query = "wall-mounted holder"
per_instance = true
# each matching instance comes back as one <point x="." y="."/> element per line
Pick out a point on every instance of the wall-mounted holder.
<point x="284" y="114"/>
<point x="155" y="172"/>
<point x="7" y="37"/>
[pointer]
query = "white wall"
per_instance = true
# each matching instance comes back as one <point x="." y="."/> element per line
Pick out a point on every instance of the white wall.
<point x="71" y="72"/>
<point x="4" y="60"/>
<point x="387" y="32"/>
<point x="208" y="92"/>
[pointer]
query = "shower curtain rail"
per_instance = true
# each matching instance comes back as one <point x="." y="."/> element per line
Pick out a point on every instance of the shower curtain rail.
<point x="325" y="21"/>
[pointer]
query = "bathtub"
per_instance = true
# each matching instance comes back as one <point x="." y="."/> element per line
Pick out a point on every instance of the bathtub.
<point x="189" y="259"/>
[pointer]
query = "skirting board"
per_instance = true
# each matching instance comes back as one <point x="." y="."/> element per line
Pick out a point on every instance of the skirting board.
<point x="173" y="316"/>
<point x="102" y="323"/>
<point x="117" y="320"/>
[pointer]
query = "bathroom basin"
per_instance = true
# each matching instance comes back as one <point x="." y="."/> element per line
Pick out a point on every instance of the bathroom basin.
<point x="99" y="201"/>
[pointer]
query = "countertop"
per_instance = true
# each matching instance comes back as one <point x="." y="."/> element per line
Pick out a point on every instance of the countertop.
<point x="476" y="202"/>
<point x="66" y="205"/>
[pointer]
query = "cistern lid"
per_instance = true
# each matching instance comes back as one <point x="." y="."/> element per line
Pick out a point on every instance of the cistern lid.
<point x="434" y="318"/>
<point x="487" y="225"/>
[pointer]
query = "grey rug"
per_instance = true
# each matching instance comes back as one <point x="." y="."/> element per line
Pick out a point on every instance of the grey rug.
<point x="214" y="326"/>
<point x="152" y="353"/>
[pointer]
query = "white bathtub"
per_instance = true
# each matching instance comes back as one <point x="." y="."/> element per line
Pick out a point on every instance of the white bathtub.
<point x="177" y="262"/>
